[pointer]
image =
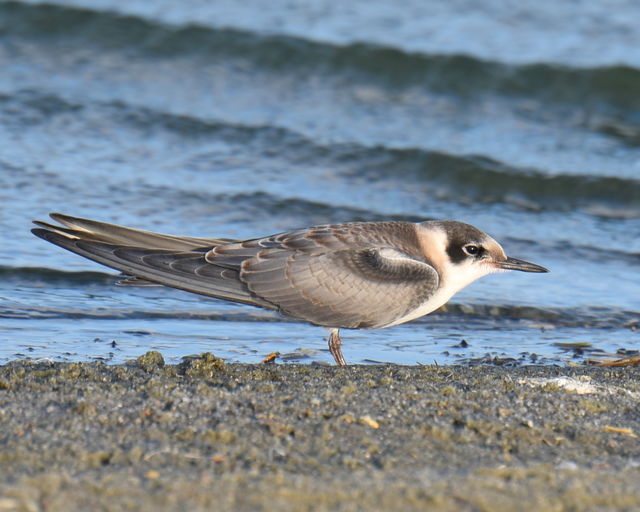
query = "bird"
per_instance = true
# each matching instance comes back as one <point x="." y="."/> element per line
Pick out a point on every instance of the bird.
<point x="352" y="275"/>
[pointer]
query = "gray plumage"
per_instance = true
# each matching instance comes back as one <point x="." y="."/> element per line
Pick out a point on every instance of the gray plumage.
<point x="341" y="275"/>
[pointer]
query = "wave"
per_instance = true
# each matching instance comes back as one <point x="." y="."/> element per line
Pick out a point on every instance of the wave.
<point x="485" y="315"/>
<point x="447" y="176"/>
<point x="617" y="86"/>
<point x="35" y="313"/>
<point x="488" y="180"/>
<point x="591" y="317"/>
<point x="49" y="275"/>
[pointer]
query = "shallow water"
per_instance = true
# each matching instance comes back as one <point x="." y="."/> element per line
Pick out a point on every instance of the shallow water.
<point x="224" y="120"/>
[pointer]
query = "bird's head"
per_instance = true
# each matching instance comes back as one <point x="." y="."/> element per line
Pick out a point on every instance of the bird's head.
<point x="462" y="253"/>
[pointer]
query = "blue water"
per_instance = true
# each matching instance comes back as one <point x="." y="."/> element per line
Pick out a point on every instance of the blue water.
<point x="226" y="119"/>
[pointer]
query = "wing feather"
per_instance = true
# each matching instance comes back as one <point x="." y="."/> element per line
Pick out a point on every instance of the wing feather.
<point x="184" y="270"/>
<point x="121" y="235"/>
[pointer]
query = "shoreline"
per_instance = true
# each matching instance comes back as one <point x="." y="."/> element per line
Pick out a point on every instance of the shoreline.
<point x="209" y="435"/>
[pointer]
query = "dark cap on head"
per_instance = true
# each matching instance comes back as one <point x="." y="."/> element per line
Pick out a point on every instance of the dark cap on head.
<point x="459" y="234"/>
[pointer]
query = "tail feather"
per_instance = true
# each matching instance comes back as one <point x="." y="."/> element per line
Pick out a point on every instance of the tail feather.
<point x="115" y="234"/>
<point x="182" y="265"/>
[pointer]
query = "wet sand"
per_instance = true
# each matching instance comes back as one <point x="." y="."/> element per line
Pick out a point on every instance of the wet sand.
<point x="205" y="435"/>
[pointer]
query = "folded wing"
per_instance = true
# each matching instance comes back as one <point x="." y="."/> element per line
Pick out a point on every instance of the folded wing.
<point x="350" y="275"/>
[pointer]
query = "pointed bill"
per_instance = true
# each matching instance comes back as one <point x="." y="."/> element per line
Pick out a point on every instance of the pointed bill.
<point x="521" y="265"/>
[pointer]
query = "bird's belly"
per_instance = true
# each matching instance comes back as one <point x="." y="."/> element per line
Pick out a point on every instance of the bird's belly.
<point x="434" y="302"/>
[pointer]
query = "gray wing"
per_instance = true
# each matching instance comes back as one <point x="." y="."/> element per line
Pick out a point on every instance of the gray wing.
<point x="338" y="276"/>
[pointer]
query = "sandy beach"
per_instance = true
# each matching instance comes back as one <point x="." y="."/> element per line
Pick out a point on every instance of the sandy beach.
<point x="205" y="435"/>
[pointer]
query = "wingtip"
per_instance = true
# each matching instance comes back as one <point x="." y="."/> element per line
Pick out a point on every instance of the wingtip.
<point x="40" y="232"/>
<point x="52" y="234"/>
<point x="59" y="217"/>
<point x="42" y="224"/>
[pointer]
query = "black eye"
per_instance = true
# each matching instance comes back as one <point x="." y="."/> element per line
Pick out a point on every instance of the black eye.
<point x="471" y="249"/>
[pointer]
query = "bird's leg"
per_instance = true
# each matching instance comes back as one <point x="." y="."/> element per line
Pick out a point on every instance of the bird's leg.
<point x="334" y="347"/>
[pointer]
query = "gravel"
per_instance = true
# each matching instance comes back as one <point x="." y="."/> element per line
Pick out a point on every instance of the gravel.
<point x="206" y="435"/>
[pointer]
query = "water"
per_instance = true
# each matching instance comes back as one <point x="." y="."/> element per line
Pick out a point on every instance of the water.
<point x="225" y="119"/>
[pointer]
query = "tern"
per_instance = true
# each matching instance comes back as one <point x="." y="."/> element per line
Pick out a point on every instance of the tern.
<point x="355" y="275"/>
